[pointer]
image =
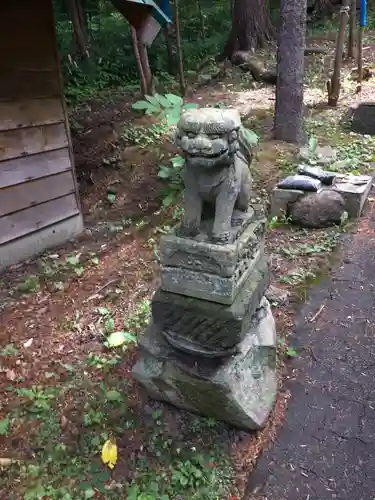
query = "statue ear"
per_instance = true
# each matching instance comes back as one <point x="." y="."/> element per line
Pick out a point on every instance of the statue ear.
<point x="233" y="136"/>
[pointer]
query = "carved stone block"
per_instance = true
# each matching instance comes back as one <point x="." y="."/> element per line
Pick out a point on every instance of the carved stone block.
<point x="208" y="271"/>
<point x="239" y="389"/>
<point x="208" y="328"/>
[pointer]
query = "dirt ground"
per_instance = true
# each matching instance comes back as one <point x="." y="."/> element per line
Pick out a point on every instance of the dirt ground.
<point x="58" y="310"/>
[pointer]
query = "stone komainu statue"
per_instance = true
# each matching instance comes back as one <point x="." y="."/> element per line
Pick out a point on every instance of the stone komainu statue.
<point x="216" y="170"/>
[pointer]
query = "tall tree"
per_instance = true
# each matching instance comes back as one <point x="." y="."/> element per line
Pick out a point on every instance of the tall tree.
<point x="290" y="66"/>
<point x="251" y="26"/>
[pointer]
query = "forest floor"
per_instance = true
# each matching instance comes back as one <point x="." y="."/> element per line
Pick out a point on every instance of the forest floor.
<point x="64" y="388"/>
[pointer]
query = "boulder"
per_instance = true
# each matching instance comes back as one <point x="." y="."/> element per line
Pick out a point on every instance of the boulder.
<point x="318" y="210"/>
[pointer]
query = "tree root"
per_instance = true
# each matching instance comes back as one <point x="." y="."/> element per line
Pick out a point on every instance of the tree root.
<point x="248" y="62"/>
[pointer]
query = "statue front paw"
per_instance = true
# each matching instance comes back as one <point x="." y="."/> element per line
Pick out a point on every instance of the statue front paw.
<point x="221" y="239"/>
<point x="187" y="231"/>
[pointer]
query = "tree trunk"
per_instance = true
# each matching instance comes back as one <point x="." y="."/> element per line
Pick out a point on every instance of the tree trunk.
<point x="142" y="78"/>
<point x="290" y="67"/>
<point x="79" y="31"/>
<point x="178" y="47"/>
<point x="168" y="44"/>
<point x="251" y="27"/>
<point x="352" y="27"/>
<point x="143" y="54"/>
<point x="324" y="7"/>
<point x="333" y="86"/>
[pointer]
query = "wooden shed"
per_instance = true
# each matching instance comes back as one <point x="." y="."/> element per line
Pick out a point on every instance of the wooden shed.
<point x="39" y="203"/>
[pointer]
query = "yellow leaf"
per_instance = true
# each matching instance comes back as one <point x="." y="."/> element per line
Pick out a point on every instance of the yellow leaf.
<point x="109" y="453"/>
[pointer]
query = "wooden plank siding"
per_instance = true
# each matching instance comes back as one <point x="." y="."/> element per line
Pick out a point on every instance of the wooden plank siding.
<point x="26" y="221"/>
<point x="32" y="193"/>
<point x="32" y="140"/>
<point x="30" y="113"/>
<point x="38" y="188"/>
<point x="29" y="168"/>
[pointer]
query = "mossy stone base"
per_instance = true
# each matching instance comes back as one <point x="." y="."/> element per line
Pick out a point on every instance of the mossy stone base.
<point x="239" y="389"/>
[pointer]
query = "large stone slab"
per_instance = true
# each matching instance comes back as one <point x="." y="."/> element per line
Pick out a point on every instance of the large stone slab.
<point x="239" y="389"/>
<point x="354" y="193"/>
<point x="281" y="199"/>
<point x="208" y="271"/>
<point x="201" y="326"/>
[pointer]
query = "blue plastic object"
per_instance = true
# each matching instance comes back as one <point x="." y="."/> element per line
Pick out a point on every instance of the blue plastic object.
<point x="363" y="13"/>
<point x="166" y="8"/>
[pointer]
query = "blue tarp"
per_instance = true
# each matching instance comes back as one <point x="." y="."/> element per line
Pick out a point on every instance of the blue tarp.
<point x="165" y="8"/>
<point x="159" y="14"/>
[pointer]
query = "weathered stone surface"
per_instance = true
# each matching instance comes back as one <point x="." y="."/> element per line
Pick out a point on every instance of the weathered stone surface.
<point x="363" y="118"/>
<point x="322" y="209"/>
<point x="201" y="325"/>
<point x="277" y="296"/>
<point x="323" y="155"/>
<point x="216" y="170"/>
<point x="355" y="195"/>
<point x="281" y="198"/>
<point x="203" y="256"/>
<point x="207" y="286"/>
<point x="240" y="389"/>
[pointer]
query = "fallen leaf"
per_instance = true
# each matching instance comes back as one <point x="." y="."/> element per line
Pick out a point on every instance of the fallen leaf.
<point x="5" y="462"/>
<point x="11" y="375"/>
<point x="117" y="339"/>
<point x="28" y="343"/>
<point x="109" y="453"/>
<point x="63" y="422"/>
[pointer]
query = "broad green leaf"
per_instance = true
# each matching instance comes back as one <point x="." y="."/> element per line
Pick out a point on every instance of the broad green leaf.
<point x="250" y="137"/>
<point x="4" y="426"/>
<point x="178" y="161"/>
<point x="141" y="105"/>
<point x="164" y="173"/>
<point x="173" y="117"/>
<point x="163" y="101"/>
<point x="313" y="143"/>
<point x="113" y="395"/>
<point x="111" y="197"/>
<point x="174" y="99"/>
<point x="169" y="200"/>
<point x="73" y="260"/>
<point x="88" y="491"/>
<point x="154" y="101"/>
<point x="190" y="105"/>
<point x="103" y="311"/>
<point x="117" y="339"/>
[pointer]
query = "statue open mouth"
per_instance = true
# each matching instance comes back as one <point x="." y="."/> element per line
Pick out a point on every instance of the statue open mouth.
<point x="207" y="155"/>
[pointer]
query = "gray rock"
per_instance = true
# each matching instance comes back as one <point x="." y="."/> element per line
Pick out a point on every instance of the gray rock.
<point x="363" y="118"/>
<point x="240" y="389"/>
<point x="318" y="210"/>
<point x="205" y="325"/>
<point x="354" y="194"/>
<point x="323" y="155"/>
<point x="277" y="296"/>
<point x="281" y="198"/>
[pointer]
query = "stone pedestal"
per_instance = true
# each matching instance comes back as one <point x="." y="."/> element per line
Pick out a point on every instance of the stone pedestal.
<point x="209" y="328"/>
<point x="239" y="389"/>
<point x="200" y="269"/>
<point x="211" y="345"/>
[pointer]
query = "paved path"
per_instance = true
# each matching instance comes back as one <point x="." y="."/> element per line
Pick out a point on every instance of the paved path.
<point x="327" y="448"/>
